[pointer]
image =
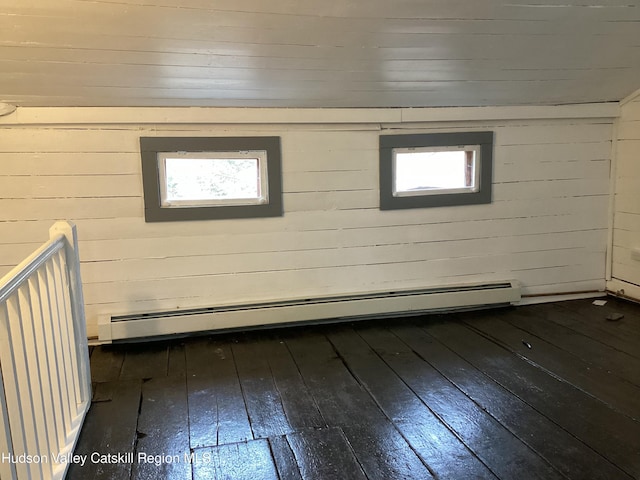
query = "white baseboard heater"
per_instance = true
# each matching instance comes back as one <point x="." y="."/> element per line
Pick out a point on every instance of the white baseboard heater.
<point x="361" y="305"/>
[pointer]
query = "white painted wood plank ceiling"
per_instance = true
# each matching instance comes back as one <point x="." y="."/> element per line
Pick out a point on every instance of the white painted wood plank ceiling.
<point x="309" y="53"/>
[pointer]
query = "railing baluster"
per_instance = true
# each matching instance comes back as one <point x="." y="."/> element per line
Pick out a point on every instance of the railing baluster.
<point x="32" y="369"/>
<point x="7" y="468"/>
<point x="52" y="361"/>
<point x="27" y="409"/>
<point x="13" y="439"/>
<point x="59" y="345"/>
<point x="42" y="367"/>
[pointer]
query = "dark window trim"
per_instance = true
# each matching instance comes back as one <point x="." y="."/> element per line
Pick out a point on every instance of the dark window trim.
<point x="153" y="210"/>
<point x="388" y="142"/>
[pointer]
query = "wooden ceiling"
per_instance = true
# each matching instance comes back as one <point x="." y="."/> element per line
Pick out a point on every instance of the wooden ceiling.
<point x="310" y="53"/>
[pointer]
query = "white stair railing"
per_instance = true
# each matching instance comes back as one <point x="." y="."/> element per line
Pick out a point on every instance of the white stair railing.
<point x="45" y="384"/>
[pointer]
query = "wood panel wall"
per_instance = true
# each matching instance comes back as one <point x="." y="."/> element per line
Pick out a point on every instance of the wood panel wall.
<point x="546" y="227"/>
<point x="626" y="231"/>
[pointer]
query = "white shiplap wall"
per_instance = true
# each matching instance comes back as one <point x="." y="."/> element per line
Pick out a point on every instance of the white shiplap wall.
<point x="547" y="225"/>
<point x="626" y="232"/>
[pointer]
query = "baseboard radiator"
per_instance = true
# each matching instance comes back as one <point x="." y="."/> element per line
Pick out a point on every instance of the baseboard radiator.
<point x="361" y="305"/>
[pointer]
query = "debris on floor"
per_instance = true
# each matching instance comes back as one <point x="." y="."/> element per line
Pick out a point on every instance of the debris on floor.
<point x="614" y="317"/>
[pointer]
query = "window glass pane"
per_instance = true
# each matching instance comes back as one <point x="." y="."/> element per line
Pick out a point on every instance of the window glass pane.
<point x="427" y="172"/>
<point x="203" y="179"/>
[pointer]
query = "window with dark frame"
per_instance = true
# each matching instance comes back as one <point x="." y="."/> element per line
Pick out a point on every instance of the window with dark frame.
<point x="201" y="178"/>
<point x="435" y="170"/>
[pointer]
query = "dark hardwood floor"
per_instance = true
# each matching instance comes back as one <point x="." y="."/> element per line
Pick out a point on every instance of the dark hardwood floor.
<point x="539" y="392"/>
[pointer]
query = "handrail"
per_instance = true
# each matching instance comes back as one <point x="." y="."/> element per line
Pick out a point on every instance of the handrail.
<point x="12" y="280"/>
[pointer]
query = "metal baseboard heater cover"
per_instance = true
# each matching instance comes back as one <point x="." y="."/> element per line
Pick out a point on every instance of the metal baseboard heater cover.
<point x="361" y="305"/>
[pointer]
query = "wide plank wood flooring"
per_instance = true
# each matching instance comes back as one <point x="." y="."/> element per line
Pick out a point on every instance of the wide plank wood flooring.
<point x="548" y="391"/>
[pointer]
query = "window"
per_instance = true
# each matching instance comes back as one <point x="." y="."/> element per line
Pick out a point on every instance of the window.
<point x="433" y="170"/>
<point x="207" y="178"/>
